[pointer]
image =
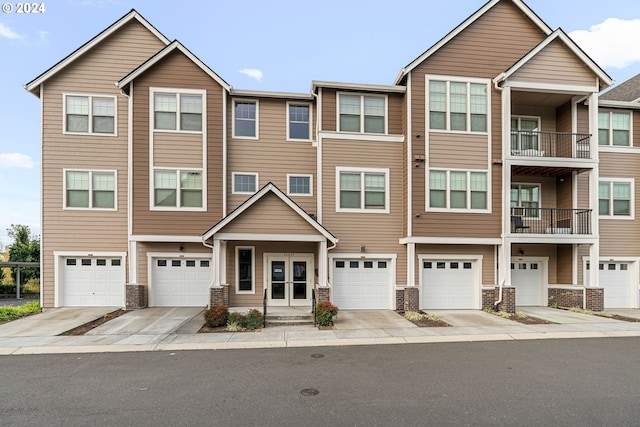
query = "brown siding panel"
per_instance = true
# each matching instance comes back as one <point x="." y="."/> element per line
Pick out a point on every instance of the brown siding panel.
<point x="451" y="150"/>
<point x="177" y="150"/>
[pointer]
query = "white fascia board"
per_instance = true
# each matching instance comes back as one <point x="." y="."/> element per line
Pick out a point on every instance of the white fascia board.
<point x="357" y="86"/>
<point x="270" y="237"/>
<point x="265" y="94"/>
<point x="170" y="239"/>
<point x="629" y="105"/>
<point x="451" y="240"/>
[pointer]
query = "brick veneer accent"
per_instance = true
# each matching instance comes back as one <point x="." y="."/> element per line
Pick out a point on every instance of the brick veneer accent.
<point x="508" y="303"/>
<point x="219" y="295"/>
<point x="563" y="297"/>
<point x="595" y="299"/>
<point x="488" y="297"/>
<point x="411" y="300"/>
<point x="399" y="299"/>
<point x="323" y="293"/>
<point x="136" y="297"/>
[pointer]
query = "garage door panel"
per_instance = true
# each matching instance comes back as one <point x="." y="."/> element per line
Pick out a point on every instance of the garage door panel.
<point x="448" y="284"/>
<point x="181" y="282"/>
<point x="92" y="282"/>
<point x="361" y="284"/>
<point x="615" y="278"/>
<point x="527" y="278"/>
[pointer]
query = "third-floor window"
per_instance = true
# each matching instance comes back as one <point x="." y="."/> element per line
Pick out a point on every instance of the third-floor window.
<point x="90" y="114"/>
<point x="458" y="105"/>
<point x="362" y="113"/>
<point x="178" y="111"/>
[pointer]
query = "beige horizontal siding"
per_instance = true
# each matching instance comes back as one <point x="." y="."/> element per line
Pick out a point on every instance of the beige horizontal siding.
<point x="176" y="71"/>
<point x="177" y="150"/>
<point x="451" y="150"/>
<point x="563" y="116"/>
<point x="94" y="73"/>
<point x="270" y="215"/>
<point x="555" y="64"/>
<point x="487" y="252"/>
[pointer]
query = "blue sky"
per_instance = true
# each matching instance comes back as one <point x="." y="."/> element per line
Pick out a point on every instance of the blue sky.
<point x="263" y="45"/>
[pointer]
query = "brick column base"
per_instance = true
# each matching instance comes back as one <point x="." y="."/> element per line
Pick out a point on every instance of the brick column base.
<point x="488" y="300"/>
<point x="323" y="293"/>
<point x="400" y="299"/>
<point x="595" y="299"/>
<point x="136" y="297"/>
<point x="411" y="299"/>
<point x="508" y="303"/>
<point x="565" y="298"/>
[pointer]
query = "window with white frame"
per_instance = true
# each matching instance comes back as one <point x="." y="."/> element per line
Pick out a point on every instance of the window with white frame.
<point x="178" y="111"/>
<point x="245" y="119"/>
<point x="244" y="182"/>
<point x="299" y="185"/>
<point x="524" y="133"/>
<point x="245" y="266"/>
<point x="458" y="190"/>
<point x="90" y="189"/>
<point x="527" y="197"/>
<point x="615" y="198"/>
<point x="362" y="113"/>
<point x="178" y="189"/>
<point x="362" y="190"/>
<point x="614" y="128"/>
<point x="458" y="105"/>
<point x="299" y="123"/>
<point x="90" y="114"/>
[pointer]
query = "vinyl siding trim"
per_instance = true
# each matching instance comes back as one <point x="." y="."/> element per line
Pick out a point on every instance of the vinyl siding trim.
<point x="488" y="241"/>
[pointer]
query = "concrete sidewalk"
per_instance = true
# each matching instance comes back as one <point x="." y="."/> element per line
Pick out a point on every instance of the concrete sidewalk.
<point x="168" y="330"/>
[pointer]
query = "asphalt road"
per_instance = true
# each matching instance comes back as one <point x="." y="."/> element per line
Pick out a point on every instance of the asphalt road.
<point x="581" y="382"/>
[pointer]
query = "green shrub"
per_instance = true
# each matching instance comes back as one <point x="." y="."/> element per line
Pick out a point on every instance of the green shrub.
<point x="325" y="312"/>
<point x="413" y="316"/>
<point x="32" y="286"/>
<point x="237" y="318"/>
<point x="216" y="315"/>
<point x="253" y="319"/>
<point x="10" y="313"/>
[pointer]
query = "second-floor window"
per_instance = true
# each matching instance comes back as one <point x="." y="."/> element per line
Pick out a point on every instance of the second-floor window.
<point x="614" y="128"/>
<point x="299" y="185"/>
<point x="90" y="189"/>
<point x="177" y="189"/>
<point x="527" y="197"/>
<point x="524" y="133"/>
<point x="245" y="183"/>
<point x="178" y="111"/>
<point x="363" y="190"/>
<point x="458" y="105"/>
<point x="615" y="198"/>
<point x="457" y="190"/>
<point x="362" y="113"/>
<point x="90" y="114"/>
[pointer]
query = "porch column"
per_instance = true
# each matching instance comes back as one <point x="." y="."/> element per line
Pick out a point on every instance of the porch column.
<point x="216" y="263"/>
<point x="504" y="263"/>
<point x="411" y="264"/>
<point x="323" y="254"/>
<point x="222" y="263"/>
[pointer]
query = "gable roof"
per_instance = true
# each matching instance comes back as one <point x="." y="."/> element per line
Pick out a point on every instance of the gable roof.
<point x="558" y="34"/>
<point x="627" y="91"/>
<point x="269" y="188"/>
<point x="132" y="15"/>
<point x="470" y="20"/>
<point x="173" y="46"/>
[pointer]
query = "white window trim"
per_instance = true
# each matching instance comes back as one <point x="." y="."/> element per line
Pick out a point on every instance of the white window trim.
<point x="91" y="172"/>
<point x="632" y="214"/>
<point x="385" y="171"/>
<point x="610" y="144"/>
<point x="302" y="104"/>
<point x="233" y="118"/>
<point x="457" y="79"/>
<point x="152" y="187"/>
<point x="362" y="115"/>
<point x="537" y="184"/>
<point x="176" y="91"/>
<point x="447" y="194"/>
<point x="90" y="96"/>
<point x="302" y="175"/>
<point x="233" y="182"/>
<point x="253" y="270"/>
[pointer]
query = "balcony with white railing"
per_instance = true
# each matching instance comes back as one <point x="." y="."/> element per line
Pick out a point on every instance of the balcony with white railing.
<point x="536" y="144"/>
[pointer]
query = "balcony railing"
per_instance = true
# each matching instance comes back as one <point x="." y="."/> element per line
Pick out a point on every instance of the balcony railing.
<point x="525" y="143"/>
<point x="551" y="221"/>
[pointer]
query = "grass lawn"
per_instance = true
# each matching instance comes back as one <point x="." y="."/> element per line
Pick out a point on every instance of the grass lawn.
<point x="10" y="313"/>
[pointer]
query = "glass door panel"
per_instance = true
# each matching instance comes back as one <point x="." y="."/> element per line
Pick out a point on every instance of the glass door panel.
<point x="278" y="282"/>
<point x="299" y="275"/>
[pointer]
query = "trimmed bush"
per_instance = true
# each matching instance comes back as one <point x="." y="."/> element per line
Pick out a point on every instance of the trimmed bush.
<point x="325" y="312"/>
<point x="251" y="320"/>
<point x="10" y="313"/>
<point x="216" y="315"/>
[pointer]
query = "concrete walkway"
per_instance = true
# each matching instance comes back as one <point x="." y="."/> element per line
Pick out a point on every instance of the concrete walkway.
<point x="172" y="329"/>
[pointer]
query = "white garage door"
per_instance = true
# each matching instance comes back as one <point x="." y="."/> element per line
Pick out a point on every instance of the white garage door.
<point x="448" y="284"/>
<point x="181" y="282"/>
<point x="93" y="282"/>
<point x="527" y="278"/>
<point x="362" y="284"/>
<point x="615" y="278"/>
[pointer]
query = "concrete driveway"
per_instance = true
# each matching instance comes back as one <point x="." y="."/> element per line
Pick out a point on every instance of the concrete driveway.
<point x="52" y="322"/>
<point x="470" y="318"/>
<point x="150" y="321"/>
<point x="563" y="316"/>
<point x="370" y="319"/>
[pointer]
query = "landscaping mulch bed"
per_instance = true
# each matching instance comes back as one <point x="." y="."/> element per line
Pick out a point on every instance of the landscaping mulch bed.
<point x="528" y="320"/>
<point x="207" y="330"/>
<point x="425" y="322"/>
<point x="83" y="329"/>
<point x="618" y="317"/>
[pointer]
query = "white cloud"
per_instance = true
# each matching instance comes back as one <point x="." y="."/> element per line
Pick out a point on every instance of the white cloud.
<point x="8" y="32"/>
<point x="15" y="160"/>
<point x="254" y="73"/>
<point x="612" y="43"/>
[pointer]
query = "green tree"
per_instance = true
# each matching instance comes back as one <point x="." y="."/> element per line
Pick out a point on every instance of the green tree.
<point x="25" y="248"/>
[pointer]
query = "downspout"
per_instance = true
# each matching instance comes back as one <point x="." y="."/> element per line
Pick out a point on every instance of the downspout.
<point x="500" y="283"/>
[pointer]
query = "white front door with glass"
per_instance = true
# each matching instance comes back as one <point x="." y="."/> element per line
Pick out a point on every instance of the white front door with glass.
<point x="289" y="279"/>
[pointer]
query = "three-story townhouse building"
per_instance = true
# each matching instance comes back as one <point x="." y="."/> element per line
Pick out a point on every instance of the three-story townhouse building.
<point x="474" y="180"/>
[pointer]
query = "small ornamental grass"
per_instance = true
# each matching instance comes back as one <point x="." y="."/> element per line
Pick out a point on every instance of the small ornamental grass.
<point x="10" y="313"/>
<point x="325" y="312"/>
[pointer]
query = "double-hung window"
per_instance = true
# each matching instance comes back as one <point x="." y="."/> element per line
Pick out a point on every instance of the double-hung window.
<point x="616" y="198"/>
<point x="90" y="189"/>
<point x="458" y="190"/>
<point x="298" y="119"/>
<point x="178" y="111"/>
<point x="614" y="128"/>
<point x="458" y="105"/>
<point x="362" y="113"/>
<point x="245" y="119"/>
<point x="524" y="133"/>
<point x="92" y="114"/>
<point x="362" y="190"/>
<point x="178" y="189"/>
<point x="527" y="197"/>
